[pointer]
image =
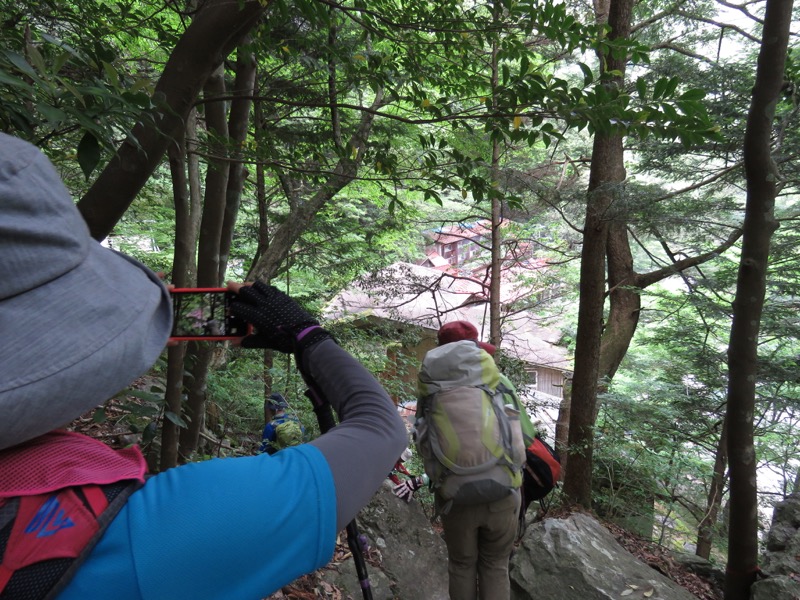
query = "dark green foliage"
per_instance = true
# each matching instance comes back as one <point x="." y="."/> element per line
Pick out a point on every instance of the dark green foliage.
<point x="67" y="74"/>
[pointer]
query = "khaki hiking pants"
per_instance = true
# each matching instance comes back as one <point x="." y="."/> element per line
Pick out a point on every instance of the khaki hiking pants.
<point x="479" y="541"/>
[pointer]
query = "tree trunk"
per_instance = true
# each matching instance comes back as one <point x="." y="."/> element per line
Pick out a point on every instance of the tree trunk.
<point x="197" y="360"/>
<point x="261" y="182"/>
<point x="496" y="260"/>
<point x="606" y="174"/>
<point x="183" y="257"/>
<point x="705" y="530"/>
<point x="562" y="425"/>
<point x="238" y="122"/>
<point x="213" y="34"/>
<point x="263" y="226"/>
<point x="199" y="355"/>
<point x="496" y="270"/>
<point x="578" y="477"/>
<point x="624" y="302"/>
<point x="208" y="257"/>
<point x="759" y="224"/>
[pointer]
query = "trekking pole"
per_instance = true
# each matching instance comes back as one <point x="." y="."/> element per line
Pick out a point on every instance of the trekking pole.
<point x="324" y="412"/>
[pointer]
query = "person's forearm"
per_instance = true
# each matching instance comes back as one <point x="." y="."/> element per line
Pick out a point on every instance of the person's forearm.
<point x="364" y="447"/>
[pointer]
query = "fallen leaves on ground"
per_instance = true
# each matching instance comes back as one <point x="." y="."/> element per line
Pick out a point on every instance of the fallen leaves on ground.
<point x="662" y="561"/>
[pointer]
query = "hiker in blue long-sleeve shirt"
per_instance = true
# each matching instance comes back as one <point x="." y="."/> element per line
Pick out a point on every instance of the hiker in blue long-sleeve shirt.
<point x="81" y="322"/>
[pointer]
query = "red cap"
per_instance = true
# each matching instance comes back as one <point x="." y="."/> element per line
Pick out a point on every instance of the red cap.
<point x="457" y="331"/>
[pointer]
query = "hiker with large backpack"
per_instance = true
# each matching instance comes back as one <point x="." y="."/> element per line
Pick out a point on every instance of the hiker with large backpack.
<point x="80" y="323"/>
<point x="468" y="432"/>
<point x="280" y="429"/>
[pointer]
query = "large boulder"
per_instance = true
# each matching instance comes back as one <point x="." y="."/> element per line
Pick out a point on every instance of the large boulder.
<point x="775" y="588"/>
<point x="407" y="557"/>
<point x="782" y="552"/>
<point x="575" y="558"/>
<point x="702" y="567"/>
<point x="781" y="560"/>
<point x="578" y="559"/>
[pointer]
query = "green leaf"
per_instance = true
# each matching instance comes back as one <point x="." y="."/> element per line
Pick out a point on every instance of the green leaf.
<point x="524" y="65"/>
<point x="149" y="433"/>
<point x="176" y="419"/>
<point x="55" y="116"/>
<point x="139" y="410"/>
<point x="72" y="89"/>
<point x="61" y="44"/>
<point x="641" y="88"/>
<point x="15" y="82"/>
<point x="588" y="75"/>
<point x="660" y="88"/>
<point x="672" y="85"/>
<point x="19" y="61"/>
<point x="140" y="84"/>
<point x="60" y="61"/>
<point x="693" y="94"/>
<point x="88" y="154"/>
<point x="37" y="60"/>
<point x="111" y="73"/>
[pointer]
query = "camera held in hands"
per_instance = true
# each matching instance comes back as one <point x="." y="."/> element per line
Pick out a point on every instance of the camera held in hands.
<point x="203" y="315"/>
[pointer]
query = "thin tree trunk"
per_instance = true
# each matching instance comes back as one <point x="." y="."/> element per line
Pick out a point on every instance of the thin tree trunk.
<point x="496" y="272"/>
<point x="187" y="205"/>
<point x="624" y="302"/>
<point x="199" y="355"/>
<point x="182" y="257"/>
<point x="263" y="226"/>
<point x="208" y="257"/>
<point x="580" y="446"/>
<point x="562" y="425"/>
<point x="759" y="225"/>
<point x="213" y="34"/>
<point x="496" y="258"/>
<point x="707" y="526"/>
<point x="261" y="182"/>
<point x="238" y="122"/>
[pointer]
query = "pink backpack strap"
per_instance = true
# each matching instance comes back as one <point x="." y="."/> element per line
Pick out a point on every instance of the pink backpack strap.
<point x="47" y="526"/>
<point x="50" y="535"/>
<point x="61" y="459"/>
<point x="95" y="498"/>
<point x="58" y="492"/>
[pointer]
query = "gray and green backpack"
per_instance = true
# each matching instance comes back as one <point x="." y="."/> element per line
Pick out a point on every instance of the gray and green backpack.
<point x="288" y="432"/>
<point x="467" y="429"/>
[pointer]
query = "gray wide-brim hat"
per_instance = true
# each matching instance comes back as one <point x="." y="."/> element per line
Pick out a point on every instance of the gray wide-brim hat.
<point x="78" y="322"/>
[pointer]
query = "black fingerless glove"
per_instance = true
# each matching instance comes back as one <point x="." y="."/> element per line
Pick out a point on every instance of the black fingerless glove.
<point x="279" y="322"/>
